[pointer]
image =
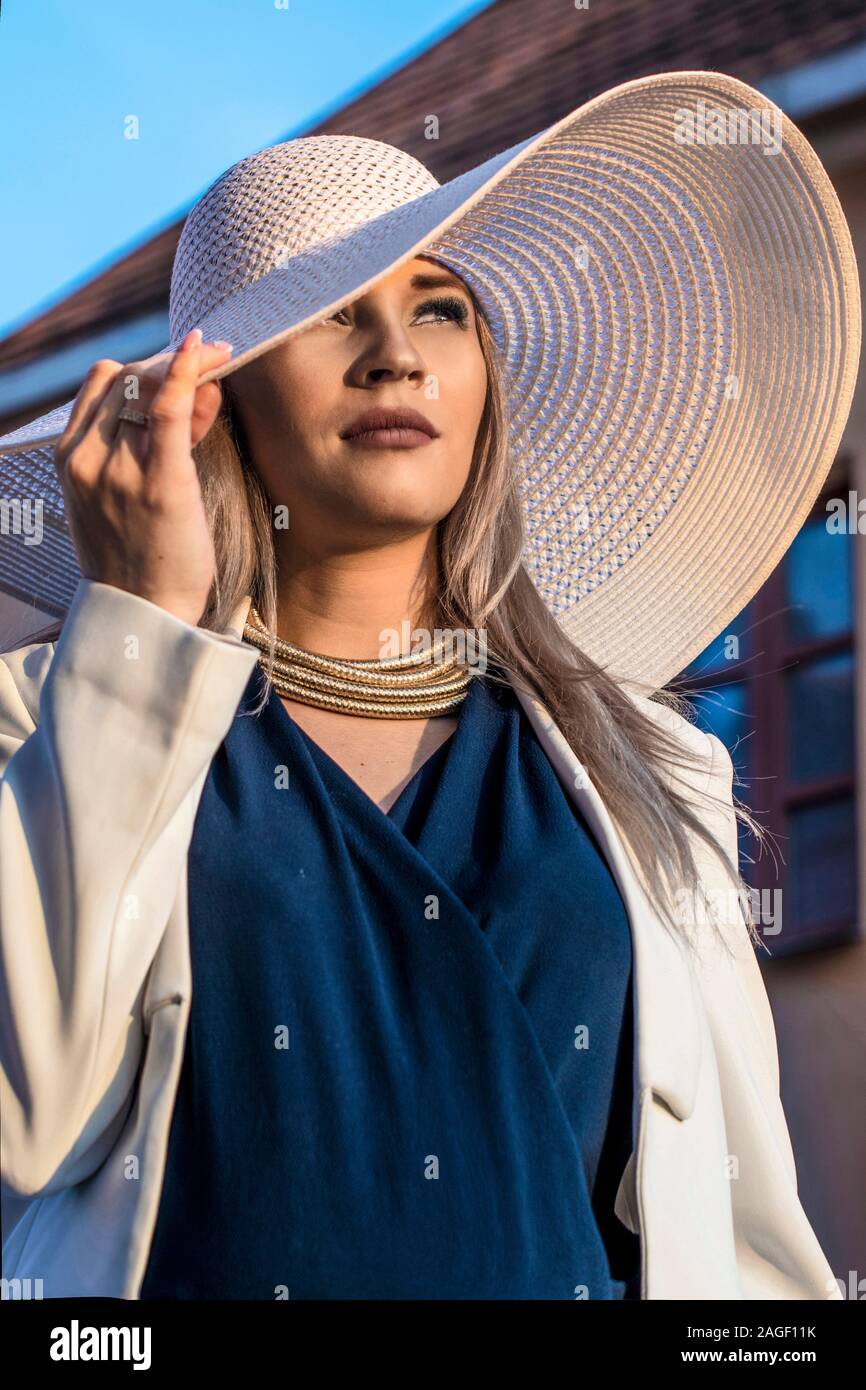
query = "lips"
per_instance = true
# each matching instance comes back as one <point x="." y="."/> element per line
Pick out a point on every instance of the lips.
<point x="381" y="418"/>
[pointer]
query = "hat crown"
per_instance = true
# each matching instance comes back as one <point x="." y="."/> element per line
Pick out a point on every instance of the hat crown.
<point x="278" y="203"/>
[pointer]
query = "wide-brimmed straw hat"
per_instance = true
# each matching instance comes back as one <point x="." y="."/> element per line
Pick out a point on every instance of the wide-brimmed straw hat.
<point x="670" y="278"/>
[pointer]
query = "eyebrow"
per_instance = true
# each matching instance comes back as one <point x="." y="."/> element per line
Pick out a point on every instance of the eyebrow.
<point x="435" y="282"/>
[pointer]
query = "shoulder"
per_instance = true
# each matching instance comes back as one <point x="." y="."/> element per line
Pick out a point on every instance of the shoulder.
<point x="708" y="770"/>
<point x="697" y="741"/>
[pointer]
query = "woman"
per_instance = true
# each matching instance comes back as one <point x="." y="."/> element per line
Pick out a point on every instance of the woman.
<point x="461" y="1024"/>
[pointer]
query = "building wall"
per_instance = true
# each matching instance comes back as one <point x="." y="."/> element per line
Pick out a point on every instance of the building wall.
<point x="819" y="1000"/>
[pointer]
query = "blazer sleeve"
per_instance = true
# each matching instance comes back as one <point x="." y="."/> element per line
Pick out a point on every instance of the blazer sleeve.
<point x="95" y="822"/>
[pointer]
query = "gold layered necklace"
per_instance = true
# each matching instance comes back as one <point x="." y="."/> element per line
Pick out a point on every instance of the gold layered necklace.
<point x="402" y="687"/>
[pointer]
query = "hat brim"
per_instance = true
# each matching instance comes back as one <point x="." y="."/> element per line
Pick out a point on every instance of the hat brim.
<point x="681" y="323"/>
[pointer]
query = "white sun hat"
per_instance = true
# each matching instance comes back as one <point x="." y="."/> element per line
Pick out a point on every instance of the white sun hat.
<point x="671" y="280"/>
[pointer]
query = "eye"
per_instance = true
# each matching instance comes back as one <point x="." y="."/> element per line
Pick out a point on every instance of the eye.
<point x="450" y="307"/>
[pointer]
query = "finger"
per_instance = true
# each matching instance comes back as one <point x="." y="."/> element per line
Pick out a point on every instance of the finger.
<point x="130" y="452"/>
<point x="142" y="380"/>
<point x="107" y="386"/>
<point x="206" y="408"/>
<point x="98" y="380"/>
<point x="171" y="410"/>
<point x="101" y="377"/>
<point x="137" y="384"/>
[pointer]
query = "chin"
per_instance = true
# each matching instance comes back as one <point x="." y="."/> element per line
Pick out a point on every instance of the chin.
<point x="405" y="507"/>
<point x="408" y="519"/>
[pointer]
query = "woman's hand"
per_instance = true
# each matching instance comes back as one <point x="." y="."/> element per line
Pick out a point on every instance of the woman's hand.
<point x="131" y="492"/>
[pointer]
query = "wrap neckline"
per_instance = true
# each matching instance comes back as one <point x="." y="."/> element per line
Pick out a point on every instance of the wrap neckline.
<point x="431" y="764"/>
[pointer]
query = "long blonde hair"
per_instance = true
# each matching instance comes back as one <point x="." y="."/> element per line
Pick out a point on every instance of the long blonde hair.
<point x="484" y="586"/>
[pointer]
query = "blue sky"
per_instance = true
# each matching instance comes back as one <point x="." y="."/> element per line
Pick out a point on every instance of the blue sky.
<point x="208" y="80"/>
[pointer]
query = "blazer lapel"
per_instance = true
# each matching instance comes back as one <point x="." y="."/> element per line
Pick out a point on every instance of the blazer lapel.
<point x="668" y="1029"/>
<point x="169" y="981"/>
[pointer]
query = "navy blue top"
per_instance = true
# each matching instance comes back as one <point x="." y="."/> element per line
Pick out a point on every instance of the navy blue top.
<point x="408" y="1067"/>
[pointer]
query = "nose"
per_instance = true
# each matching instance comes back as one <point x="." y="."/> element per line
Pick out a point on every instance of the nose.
<point x="388" y="354"/>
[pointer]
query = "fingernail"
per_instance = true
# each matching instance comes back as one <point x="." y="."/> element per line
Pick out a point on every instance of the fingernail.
<point x="222" y="343"/>
<point x="193" y="337"/>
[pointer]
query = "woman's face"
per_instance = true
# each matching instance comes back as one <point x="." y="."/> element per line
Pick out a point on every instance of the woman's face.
<point x="410" y="343"/>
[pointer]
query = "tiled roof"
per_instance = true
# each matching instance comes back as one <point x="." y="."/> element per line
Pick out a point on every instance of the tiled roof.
<point x="508" y="72"/>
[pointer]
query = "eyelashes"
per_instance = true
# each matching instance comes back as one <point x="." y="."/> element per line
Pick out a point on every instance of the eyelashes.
<point x="451" y="306"/>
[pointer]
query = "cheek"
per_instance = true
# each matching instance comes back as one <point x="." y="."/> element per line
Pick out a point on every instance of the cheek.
<point x="470" y="393"/>
<point x="291" y="405"/>
<point x="462" y="384"/>
<point x="286" y="393"/>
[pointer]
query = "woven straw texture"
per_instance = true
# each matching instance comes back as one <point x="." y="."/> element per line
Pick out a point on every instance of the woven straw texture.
<point x="681" y="324"/>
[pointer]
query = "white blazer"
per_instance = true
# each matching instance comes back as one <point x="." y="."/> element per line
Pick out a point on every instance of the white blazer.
<point x="106" y="737"/>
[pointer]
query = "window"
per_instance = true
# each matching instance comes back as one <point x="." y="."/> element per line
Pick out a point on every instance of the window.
<point x="778" y="688"/>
